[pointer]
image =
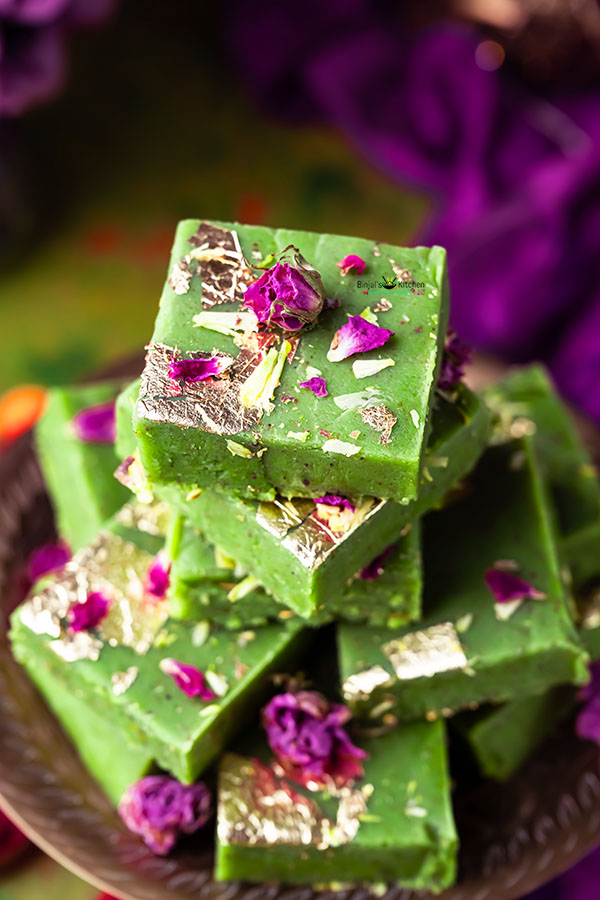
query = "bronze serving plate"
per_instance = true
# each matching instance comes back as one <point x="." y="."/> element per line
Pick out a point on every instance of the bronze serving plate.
<point x="514" y="837"/>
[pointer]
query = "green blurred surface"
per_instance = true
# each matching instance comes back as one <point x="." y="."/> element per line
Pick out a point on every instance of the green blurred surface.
<point x="153" y="126"/>
<point x="39" y="877"/>
<point x="163" y="132"/>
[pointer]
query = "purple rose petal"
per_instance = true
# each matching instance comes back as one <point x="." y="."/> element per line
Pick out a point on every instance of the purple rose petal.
<point x="505" y="586"/>
<point x="376" y="566"/>
<point x="158" y="577"/>
<point x="188" y="679"/>
<point x="335" y="500"/>
<point x="190" y="370"/>
<point x="46" y="559"/>
<point x="87" y="615"/>
<point x="357" y="336"/>
<point x="317" y="385"/>
<point x="455" y="357"/>
<point x="96" y="424"/>
<point x="351" y="263"/>
<point x="588" y="719"/>
<point x="282" y="296"/>
<point x="159" y="808"/>
<point x="306" y="734"/>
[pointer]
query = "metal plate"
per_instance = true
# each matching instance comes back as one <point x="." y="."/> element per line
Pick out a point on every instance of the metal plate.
<point x="514" y="837"/>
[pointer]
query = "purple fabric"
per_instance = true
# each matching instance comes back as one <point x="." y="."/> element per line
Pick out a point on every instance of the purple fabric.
<point x="514" y="175"/>
<point x="307" y="732"/>
<point x="282" y="296"/>
<point x="32" y="53"/>
<point x="159" y="808"/>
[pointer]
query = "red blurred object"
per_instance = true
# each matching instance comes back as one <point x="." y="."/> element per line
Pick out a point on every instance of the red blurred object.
<point x="20" y="408"/>
<point x="12" y="842"/>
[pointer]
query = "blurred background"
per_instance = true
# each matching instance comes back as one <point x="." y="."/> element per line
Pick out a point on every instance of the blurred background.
<point x="471" y="123"/>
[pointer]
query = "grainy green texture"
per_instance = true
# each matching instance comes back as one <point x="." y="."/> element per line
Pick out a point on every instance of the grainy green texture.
<point x="199" y="587"/>
<point x="458" y="435"/>
<point x="112" y="755"/>
<point x="407" y="836"/>
<point x="567" y="466"/>
<point x="502" y="516"/>
<point x="171" y="452"/>
<point x="79" y="476"/>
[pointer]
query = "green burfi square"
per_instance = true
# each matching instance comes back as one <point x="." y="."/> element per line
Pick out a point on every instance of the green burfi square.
<point x="207" y="585"/>
<point x="301" y="561"/>
<point x="468" y="650"/>
<point x="395" y="826"/>
<point x="118" y="663"/>
<point x="528" y="394"/>
<point x="303" y="445"/>
<point x="79" y="476"/>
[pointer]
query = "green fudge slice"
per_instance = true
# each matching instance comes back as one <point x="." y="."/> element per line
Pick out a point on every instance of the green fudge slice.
<point x="79" y="476"/>
<point x="502" y="738"/>
<point x="395" y="826"/>
<point x="207" y="585"/>
<point x="113" y="756"/>
<point x="572" y="479"/>
<point x="119" y="662"/>
<point x="213" y="433"/>
<point x="300" y="560"/>
<point x="464" y="652"/>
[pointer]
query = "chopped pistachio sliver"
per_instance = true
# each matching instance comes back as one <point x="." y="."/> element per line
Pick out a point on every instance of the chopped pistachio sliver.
<point x="239" y="449"/>
<point x="244" y="587"/>
<point x="342" y="447"/>
<point x="415" y="417"/>
<point x="217" y="682"/>
<point x="200" y="633"/>
<point x="363" y="368"/>
<point x="353" y="401"/>
<point x="369" y="315"/>
<point x="298" y="435"/>
<point x="228" y="323"/>
<point x="313" y="372"/>
<point x="259" y="388"/>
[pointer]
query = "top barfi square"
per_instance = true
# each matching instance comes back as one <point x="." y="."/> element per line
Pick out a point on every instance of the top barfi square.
<point x="221" y="401"/>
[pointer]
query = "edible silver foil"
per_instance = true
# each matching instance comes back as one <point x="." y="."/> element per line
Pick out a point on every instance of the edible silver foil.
<point x="380" y="418"/>
<point x="421" y="654"/>
<point x="258" y="808"/>
<point x="221" y="265"/>
<point x="301" y="532"/>
<point x="117" y="569"/>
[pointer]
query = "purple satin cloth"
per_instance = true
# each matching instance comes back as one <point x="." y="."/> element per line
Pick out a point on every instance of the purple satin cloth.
<point x="515" y="176"/>
<point x="32" y="52"/>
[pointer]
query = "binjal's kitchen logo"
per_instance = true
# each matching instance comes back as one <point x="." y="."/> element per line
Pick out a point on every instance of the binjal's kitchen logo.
<point x="405" y="285"/>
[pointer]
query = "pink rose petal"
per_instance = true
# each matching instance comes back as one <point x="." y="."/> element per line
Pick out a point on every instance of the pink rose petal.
<point x="357" y="336"/>
<point x="317" y="385"/>
<point x="351" y="263"/>
<point x="188" y="679"/>
<point x="87" y="615"/>
<point x="506" y="587"/>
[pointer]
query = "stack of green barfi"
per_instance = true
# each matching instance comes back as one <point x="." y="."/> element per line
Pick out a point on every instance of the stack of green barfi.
<point x="300" y="450"/>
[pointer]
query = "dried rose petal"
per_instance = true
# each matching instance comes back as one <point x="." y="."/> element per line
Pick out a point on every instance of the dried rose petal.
<point x="506" y="587"/>
<point x="306" y="734"/>
<point x="456" y="356"/>
<point x="96" y="424"/>
<point x="335" y="500"/>
<point x="157" y="576"/>
<point x="87" y="615"/>
<point x="376" y="566"/>
<point x="283" y="296"/>
<point x="189" y="370"/>
<point x="46" y="559"/>
<point x="588" y="719"/>
<point x="357" y="336"/>
<point x="188" y="679"/>
<point x="351" y="263"/>
<point x="317" y="385"/>
<point x="159" y="808"/>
